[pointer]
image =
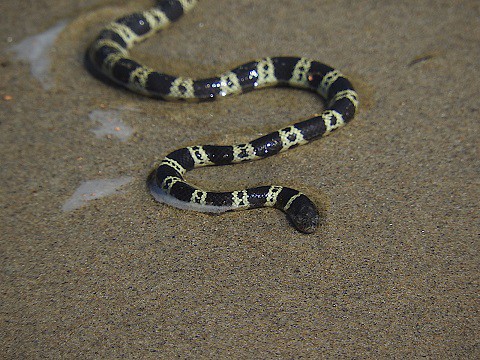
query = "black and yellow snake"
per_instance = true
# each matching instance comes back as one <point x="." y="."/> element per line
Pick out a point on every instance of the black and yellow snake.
<point x="109" y="55"/>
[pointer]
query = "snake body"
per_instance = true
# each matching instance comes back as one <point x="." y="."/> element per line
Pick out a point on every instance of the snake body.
<point x="109" y="55"/>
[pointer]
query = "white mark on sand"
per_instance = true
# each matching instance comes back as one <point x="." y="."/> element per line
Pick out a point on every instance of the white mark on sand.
<point x="110" y="124"/>
<point x="94" y="189"/>
<point x="36" y="50"/>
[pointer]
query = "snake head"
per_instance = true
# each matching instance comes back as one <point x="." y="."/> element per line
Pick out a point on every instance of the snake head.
<point x="303" y="214"/>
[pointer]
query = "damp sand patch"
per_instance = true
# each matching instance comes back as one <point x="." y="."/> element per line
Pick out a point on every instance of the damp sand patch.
<point x="110" y="124"/>
<point x="94" y="189"/>
<point x="36" y="51"/>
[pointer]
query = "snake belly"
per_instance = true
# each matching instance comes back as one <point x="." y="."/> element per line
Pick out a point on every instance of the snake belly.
<point x="109" y="55"/>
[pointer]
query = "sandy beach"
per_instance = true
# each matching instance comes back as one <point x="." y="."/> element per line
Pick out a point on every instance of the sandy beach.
<point x="93" y="267"/>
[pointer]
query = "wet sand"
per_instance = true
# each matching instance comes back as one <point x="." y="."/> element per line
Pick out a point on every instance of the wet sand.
<point x="391" y="273"/>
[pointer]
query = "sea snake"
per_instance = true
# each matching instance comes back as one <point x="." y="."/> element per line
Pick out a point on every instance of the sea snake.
<point x="109" y="56"/>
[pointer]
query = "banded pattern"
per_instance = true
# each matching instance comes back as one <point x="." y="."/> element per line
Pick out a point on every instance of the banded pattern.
<point x="109" y="55"/>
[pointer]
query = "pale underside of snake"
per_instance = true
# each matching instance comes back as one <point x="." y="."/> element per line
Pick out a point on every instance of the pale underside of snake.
<point x="109" y="55"/>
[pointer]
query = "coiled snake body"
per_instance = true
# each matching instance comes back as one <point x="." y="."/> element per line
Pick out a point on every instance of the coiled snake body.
<point x="109" y="55"/>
